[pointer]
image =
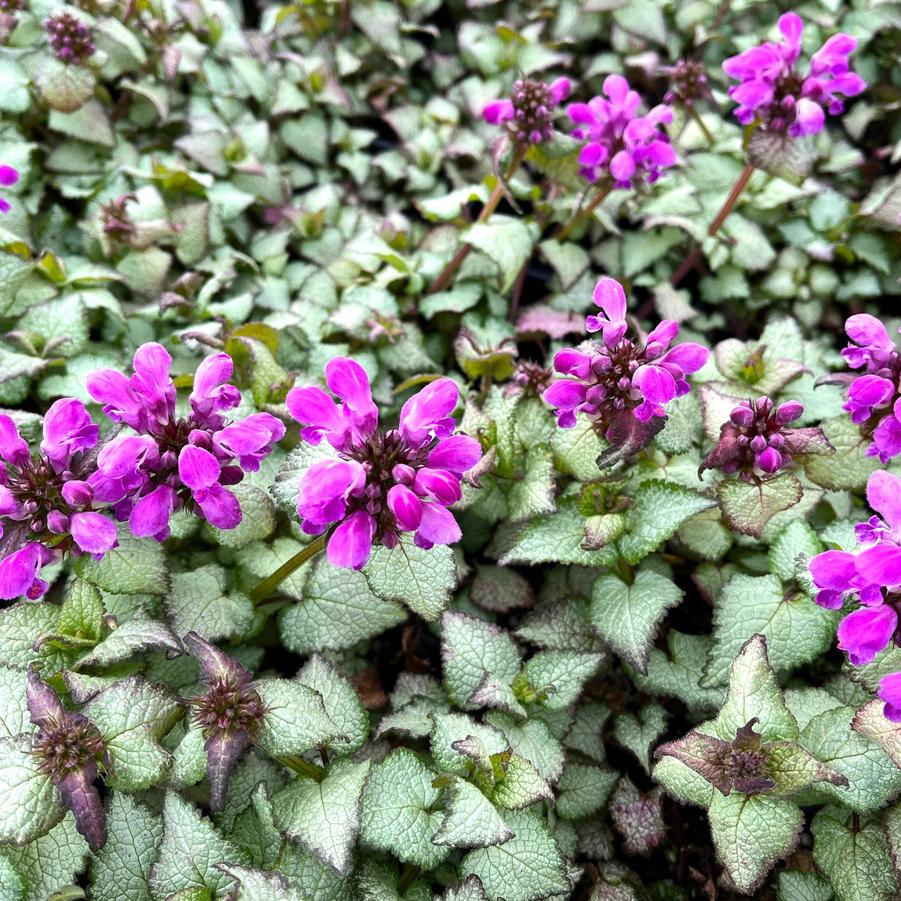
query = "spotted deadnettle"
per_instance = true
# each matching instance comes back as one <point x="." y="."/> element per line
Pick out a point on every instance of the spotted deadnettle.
<point x="46" y="505"/>
<point x="230" y="713"/>
<point x="8" y="176"/>
<point x="618" y="374"/>
<point x="176" y="461"/>
<point x="874" y="398"/>
<point x="385" y="481"/>
<point x="757" y="439"/>
<point x="620" y="144"/>
<point x="783" y="99"/>
<point x="69" y="750"/>
<point x="529" y="111"/>
<point x="872" y="577"/>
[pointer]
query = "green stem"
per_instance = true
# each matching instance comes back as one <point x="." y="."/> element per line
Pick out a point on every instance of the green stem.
<point x="270" y="583"/>
<point x="304" y="767"/>
<point x="409" y="876"/>
<point x="694" y="257"/>
<point x="565" y="230"/>
<point x="456" y="261"/>
<point x="711" y="140"/>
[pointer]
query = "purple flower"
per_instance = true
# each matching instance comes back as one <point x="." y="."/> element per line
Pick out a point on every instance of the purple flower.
<point x="873" y="577"/>
<point x="874" y="398"/>
<point x="783" y="99"/>
<point x="866" y="632"/>
<point x="528" y="113"/>
<point x="46" y="506"/>
<point x="382" y="482"/>
<point x="890" y="692"/>
<point x="173" y="461"/>
<point x="230" y="713"/>
<point x="688" y="83"/>
<point x="69" y="748"/>
<point x="620" y="144"/>
<point x="618" y="374"/>
<point x="8" y="176"/>
<point x="757" y="440"/>
<point x="69" y="38"/>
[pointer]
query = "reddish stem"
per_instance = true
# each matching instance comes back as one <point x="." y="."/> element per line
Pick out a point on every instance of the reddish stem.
<point x="694" y="257"/>
<point x="456" y="261"/>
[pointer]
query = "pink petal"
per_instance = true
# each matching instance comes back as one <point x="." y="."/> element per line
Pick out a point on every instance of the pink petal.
<point x="351" y="543"/>
<point x="611" y="298"/>
<point x="438" y="526"/>
<point x="150" y="516"/>
<point x="439" y="485"/>
<point x="406" y="506"/>
<point x="884" y="496"/>
<point x="13" y="448"/>
<point x="93" y="533"/>
<point x="219" y="506"/>
<point x="198" y="468"/>
<point x="560" y="89"/>
<point x="498" y="111"/>
<point x="348" y="380"/>
<point x="19" y="572"/>
<point x="8" y="176"/>
<point x="459" y="453"/>
<point x="427" y="413"/>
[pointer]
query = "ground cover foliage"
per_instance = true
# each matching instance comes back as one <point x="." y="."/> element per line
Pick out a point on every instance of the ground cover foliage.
<point x="562" y="622"/>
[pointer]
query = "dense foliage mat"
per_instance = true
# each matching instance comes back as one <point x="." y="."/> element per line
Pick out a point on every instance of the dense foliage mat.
<point x="433" y="465"/>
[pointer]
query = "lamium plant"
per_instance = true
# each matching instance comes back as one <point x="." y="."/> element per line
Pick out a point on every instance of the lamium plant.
<point x="449" y="451"/>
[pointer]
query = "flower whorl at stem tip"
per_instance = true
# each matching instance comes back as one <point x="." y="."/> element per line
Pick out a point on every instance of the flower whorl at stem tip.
<point x="781" y="98"/>
<point x="619" y="374"/>
<point x="383" y="482"/>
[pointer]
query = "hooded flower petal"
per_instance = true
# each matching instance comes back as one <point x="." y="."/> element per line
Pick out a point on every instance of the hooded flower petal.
<point x="498" y="111"/>
<point x="93" y="533"/>
<point x="13" y="448"/>
<point x="325" y="488"/>
<point x="406" y="506"/>
<point x="198" y="468"/>
<point x="150" y="516"/>
<point x="211" y="393"/>
<point x="219" y="506"/>
<point x="19" y="572"/>
<point x="867" y="631"/>
<point x="324" y="417"/>
<point x="348" y="380"/>
<point x="351" y="543"/>
<point x="884" y="496"/>
<point x="151" y="380"/>
<point x="458" y="453"/>
<point x="438" y="526"/>
<point x="68" y="429"/>
<point x="426" y="414"/>
<point x="250" y="439"/>
<point x="120" y="401"/>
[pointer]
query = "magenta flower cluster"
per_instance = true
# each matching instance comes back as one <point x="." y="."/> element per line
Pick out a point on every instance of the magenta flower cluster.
<point x="620" y="374"/>
<point x="382" y="482"/>
<point x="871" y="579"/>
<point x="65" y="498"/>
<point x="168" y="461"/>
<point x="620" y="144"/>
<point x="46" y="506"/>
<point x="782" y="98"/>
<point x="757" y="440"/>
<point x="528" y="112"/>
<point x="874" y="398"/>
